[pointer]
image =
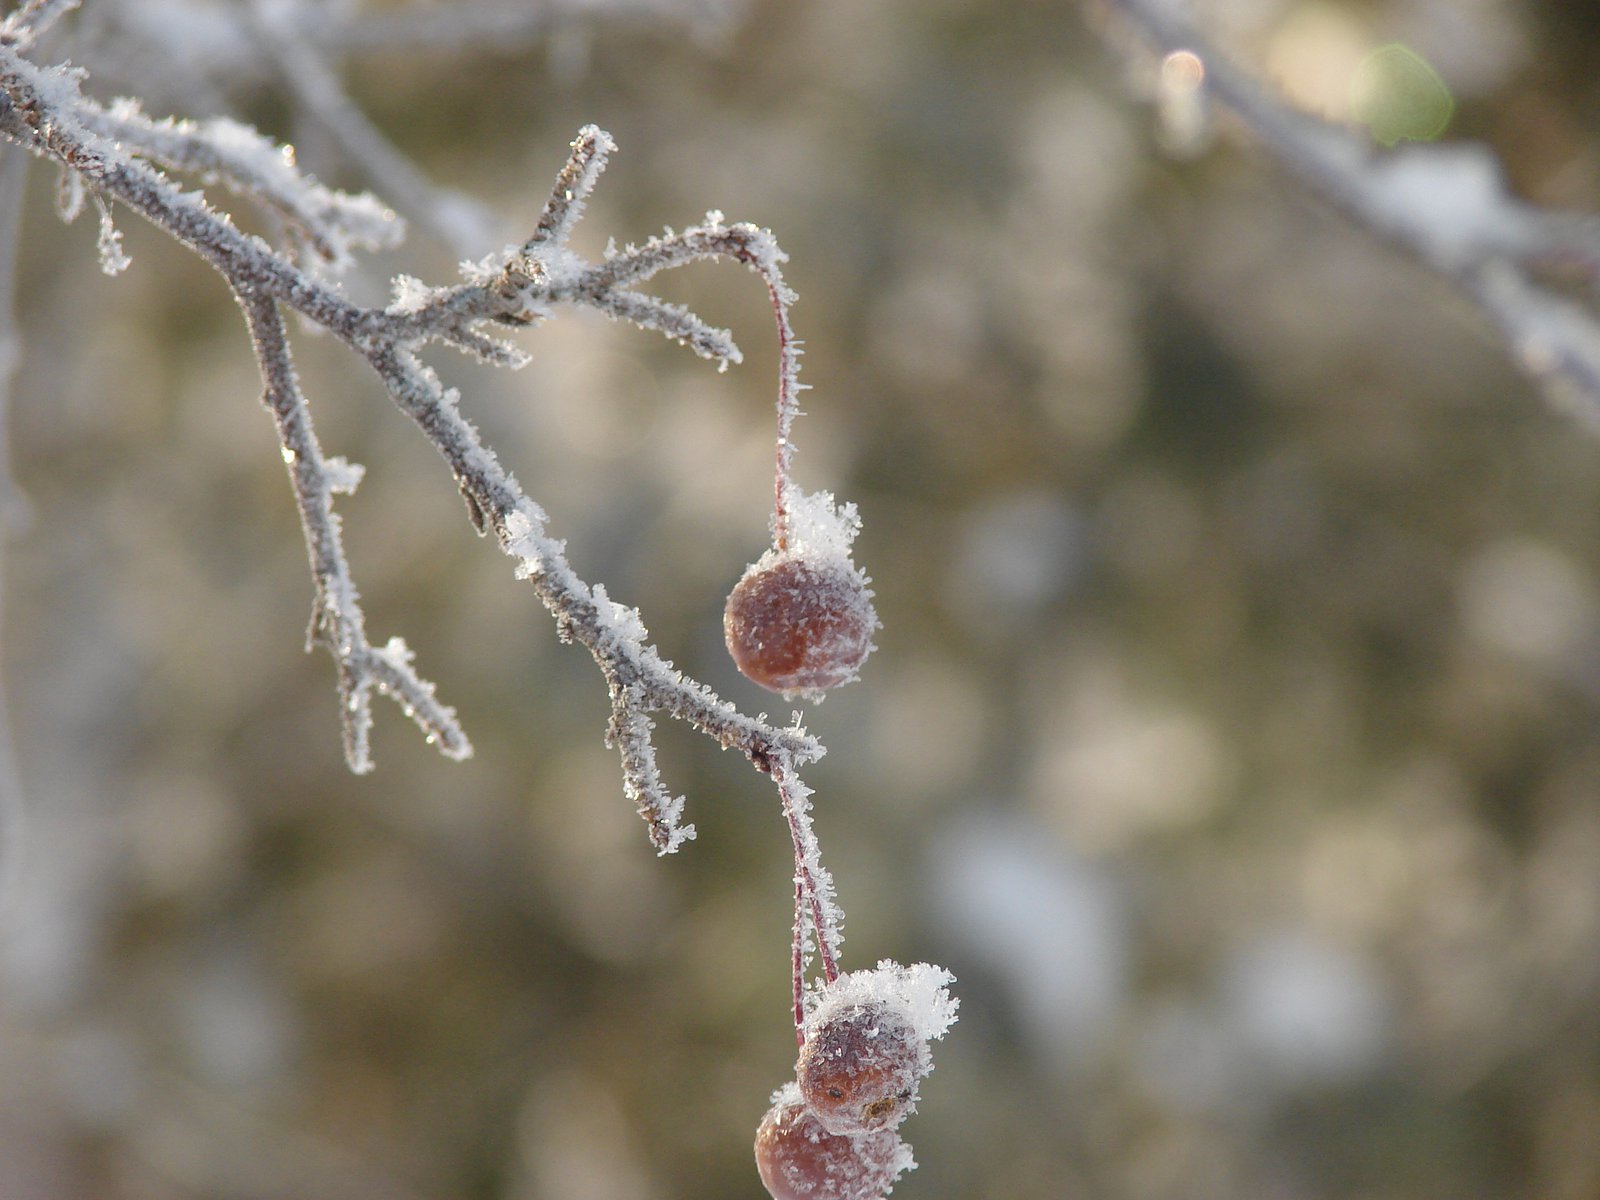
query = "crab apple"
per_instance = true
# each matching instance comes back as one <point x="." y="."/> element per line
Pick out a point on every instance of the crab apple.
<point x="859" y="1067"/>
<point x="800" y="1160"/>
<point x="800" y="624"/>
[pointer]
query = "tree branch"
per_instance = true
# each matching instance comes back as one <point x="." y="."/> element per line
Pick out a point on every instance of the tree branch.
<point x="41" y="109"/>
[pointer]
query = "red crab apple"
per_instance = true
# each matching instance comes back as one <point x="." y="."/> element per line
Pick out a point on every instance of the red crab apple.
<point x="800" y="624"/>
<point x="859" y="1067"/>
<point x="800" y="1160"/>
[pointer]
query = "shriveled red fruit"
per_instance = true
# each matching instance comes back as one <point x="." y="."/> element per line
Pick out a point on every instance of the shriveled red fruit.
<point x="800" y="1160"/>
<point x="859" y="1067"/>
<point x="800" y="625"/>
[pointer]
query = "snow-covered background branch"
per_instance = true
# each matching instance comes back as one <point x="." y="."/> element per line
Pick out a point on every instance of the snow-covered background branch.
<point x="1232" y="731"/>
<point x="1448" y="205"/>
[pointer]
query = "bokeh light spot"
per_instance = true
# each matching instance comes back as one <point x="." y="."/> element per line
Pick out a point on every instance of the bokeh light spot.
<point x="1398" y="95"/>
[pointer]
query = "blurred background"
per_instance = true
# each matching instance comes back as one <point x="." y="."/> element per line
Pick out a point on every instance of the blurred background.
<point x="1233" y="735"/>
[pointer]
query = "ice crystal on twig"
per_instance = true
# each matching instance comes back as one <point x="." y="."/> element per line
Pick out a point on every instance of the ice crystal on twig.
<point x="113" y="259"/>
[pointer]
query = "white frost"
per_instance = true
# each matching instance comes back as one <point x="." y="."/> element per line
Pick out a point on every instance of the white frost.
<point x="113" y="259"/>
<point x="619" y="624"/>
<point x="920" y="993"/>
<point x="818" y="527"/>
<point x="343" y="475"/>
<point x="411" y="295"/>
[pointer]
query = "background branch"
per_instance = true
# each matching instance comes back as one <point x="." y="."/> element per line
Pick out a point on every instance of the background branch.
<point x="1446" y="205"/>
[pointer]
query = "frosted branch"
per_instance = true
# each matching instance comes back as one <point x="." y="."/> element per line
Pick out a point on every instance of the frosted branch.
<point x="747" y="244"/>
<point x="336" y="621"/>
<point x="332" y="223"/>
<point x="121" y="138"/>
<point x="673" y="321"/>
<point x="814" y="896"/>
<point x="629" y="734"/>
<point x="42" y="110"/>
<point x="590" y="150"/>
<point x="23" y="27"/>
<point x="1447" y="205"/>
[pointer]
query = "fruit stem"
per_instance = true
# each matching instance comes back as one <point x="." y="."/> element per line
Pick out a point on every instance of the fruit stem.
<point x="799" y="962"/>
<point x="788" y="409"/>
<point x="807" y="900"/>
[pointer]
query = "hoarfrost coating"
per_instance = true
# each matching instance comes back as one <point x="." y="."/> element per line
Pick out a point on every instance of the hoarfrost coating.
<point x="921" y="992"/>
<point x="820" y="526"/>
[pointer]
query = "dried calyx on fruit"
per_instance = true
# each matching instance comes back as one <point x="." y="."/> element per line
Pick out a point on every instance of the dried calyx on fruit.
<point x="801" y="619"/>
<point x="866" y="1045"/>
<point x="798" y="1159"/>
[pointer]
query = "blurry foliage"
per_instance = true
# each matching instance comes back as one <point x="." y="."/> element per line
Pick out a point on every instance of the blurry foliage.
<point x="1231" y="737"/>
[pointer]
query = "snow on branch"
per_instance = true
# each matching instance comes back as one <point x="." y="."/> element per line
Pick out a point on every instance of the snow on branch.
<point x="1446" y="204"/>
<point x="118" y="154"/>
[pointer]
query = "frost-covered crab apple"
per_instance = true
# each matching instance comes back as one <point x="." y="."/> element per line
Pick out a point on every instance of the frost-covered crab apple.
<point x="866" y="1045"/>
<point x="859" y="1068"/>
<point x="800" y="621"/>
<point x="800" y="1160"/>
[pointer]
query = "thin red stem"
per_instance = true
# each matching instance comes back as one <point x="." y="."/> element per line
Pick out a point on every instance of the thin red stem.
<point x="799" y="963"/>
<point x="805" y="882"/>
<point x="788" y="406"/>
<point x="737" y="242"/>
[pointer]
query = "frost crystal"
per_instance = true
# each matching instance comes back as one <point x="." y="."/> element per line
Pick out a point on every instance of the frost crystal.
<point x="920" y="992"/>
<point x="343" y="475"/>
<point x="618" y="622"/>
<point x="411" y="295"/>
<point x="113" y="259"/>
<point x="819" y="527"/>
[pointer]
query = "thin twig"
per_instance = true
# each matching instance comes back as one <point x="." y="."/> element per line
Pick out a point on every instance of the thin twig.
<point x="24" y="26"/>
<point x="332" y="223"/>
<point x="798" y="961"/>
<point x="811" y="877"/>
<point x="336" y="620"/>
